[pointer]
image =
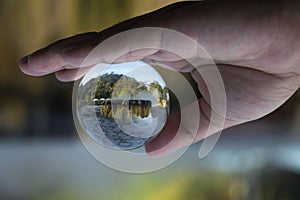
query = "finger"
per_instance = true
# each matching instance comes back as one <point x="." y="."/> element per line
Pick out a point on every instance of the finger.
<point x="74" y="54"/>
<point x="26" y="70"/>
<point x="180" y="65"/>
<point x="73" y="50"/>
<point x="225" y="32"/>
<point x="211" y="111"/>
<point x="67" y="75"/>
<point x="174" y="135"/>
<point x="171" y="65"/>
<point x="162" y="55"/>
<point x="171" y="138"/>
<point x="49" y="59"/>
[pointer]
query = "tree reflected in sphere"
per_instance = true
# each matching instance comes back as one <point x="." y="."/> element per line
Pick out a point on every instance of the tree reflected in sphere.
<point x="122" y="106"/>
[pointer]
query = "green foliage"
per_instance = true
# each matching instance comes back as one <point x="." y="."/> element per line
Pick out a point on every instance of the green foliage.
<point x="106" y="84"/>
<point x="110" y="88"/>
<point x="87" y="91"/>
<point x="162" y="91"/>
<point x="125" y="86"/>
<point x="116" y="85"/>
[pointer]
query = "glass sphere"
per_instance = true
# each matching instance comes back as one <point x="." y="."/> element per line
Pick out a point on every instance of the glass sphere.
<point x="122" y="106"/>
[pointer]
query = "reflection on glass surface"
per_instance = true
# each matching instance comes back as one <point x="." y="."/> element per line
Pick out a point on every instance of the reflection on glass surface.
<point x="122" y="106"/>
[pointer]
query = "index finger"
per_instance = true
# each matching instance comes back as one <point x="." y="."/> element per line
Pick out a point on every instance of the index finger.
<point x="72" y="51"/>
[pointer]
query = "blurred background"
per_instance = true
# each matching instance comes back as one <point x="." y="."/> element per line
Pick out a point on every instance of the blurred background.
<point x="41" y="156"/>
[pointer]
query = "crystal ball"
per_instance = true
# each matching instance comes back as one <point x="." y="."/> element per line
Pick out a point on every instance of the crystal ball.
<point x="121" y="106"/>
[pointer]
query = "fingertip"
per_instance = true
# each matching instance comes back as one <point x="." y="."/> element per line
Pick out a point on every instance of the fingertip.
<point x="180" y="131"/>
<point x="24" y="60"/>
<point x="61" y="76"/>
<point x="71" y="74"/>
<point x="152" y="154"/>
<point x="160" y="145"/>
<point x="24" y="67"/>
<point x="154" y="149"/>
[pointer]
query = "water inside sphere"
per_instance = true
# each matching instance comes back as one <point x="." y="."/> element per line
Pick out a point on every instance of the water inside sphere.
<point x="122" y="106"/>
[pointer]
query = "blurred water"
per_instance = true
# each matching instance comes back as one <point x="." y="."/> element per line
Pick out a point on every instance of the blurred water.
<point x="29" y="169"/>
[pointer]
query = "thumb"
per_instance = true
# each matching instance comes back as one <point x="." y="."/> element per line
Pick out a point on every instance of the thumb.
<point x="182" y="131"/>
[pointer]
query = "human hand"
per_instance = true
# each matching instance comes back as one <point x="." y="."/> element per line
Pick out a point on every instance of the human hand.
<point x="255" y="46"/>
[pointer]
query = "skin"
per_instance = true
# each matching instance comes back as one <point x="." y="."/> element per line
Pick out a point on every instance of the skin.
<point x="255" y="44"/>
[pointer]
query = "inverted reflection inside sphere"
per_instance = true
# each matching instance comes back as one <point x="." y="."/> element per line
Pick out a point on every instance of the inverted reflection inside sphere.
<point x="121" y="106"/>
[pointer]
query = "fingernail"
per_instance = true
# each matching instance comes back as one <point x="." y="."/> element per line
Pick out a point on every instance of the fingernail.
<point x="24" y="60"/>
